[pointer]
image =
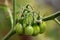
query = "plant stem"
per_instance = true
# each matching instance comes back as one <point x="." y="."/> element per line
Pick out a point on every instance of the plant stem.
<point x="10" y="13"/>
<point x="57" y="21"/>
<point x="11" y="32"/>
<point x="51" y="17"/>
<point x="9" y="35"/>
<point x="14" y="12"/>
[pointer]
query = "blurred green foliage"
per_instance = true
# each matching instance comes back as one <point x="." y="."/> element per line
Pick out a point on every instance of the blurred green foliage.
<point x="4" y="21"/>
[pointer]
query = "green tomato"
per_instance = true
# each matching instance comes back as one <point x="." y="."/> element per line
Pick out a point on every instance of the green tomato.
<point x="29" y="30"/>
<point x="42" y="27"/>
<point x="36" y="29"/>
<point x="18" y="28"/>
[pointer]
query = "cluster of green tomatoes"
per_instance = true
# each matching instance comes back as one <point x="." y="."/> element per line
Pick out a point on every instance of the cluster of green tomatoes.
<point x="27" y="23"/>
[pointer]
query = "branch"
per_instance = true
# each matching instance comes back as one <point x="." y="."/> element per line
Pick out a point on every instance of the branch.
<point x="10" y="13"/>
<point x="52" y="16"/>
<point x="14" y="12"/>
<point x="57" y="21"/>
<point x="9" y="35"/>
<point x="11" y="32"/>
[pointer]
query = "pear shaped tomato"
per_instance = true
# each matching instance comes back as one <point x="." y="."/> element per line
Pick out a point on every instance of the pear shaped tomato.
<point x="42" y="27"/>
<point x="29" y="30"/>
<point x="18" y="28"/>
<point x="36" y="29"/>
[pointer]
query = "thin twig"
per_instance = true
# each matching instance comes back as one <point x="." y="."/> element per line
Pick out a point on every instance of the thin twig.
<point x="56" y="20"/>
<point x="51" y="17"/>
<point x="11" y="32"/>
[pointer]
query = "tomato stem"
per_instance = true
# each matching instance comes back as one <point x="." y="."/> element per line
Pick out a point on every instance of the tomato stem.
<point x="52" y="16"/>
<point x="56" y="20"/>
<point x="14" y="12"/>
<point x="11" y="32"/>
<point x="10" y="13"/>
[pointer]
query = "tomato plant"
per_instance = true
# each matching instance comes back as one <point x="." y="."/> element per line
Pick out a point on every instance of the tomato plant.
<point x="25" y="23"/>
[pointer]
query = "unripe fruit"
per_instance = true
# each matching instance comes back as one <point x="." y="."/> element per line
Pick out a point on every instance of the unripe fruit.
<point x="42" y="27"/>
<point x="29" y="30"/>
<point x="36" y="29"/>
<point x="18" y="28"/>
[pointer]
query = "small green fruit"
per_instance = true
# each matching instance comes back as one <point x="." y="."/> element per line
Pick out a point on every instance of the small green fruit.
<point x="18" y="28"/>
<point x="36" y="29"/>
<point x="29" y="30"/>
<point x="42" y="27"/>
